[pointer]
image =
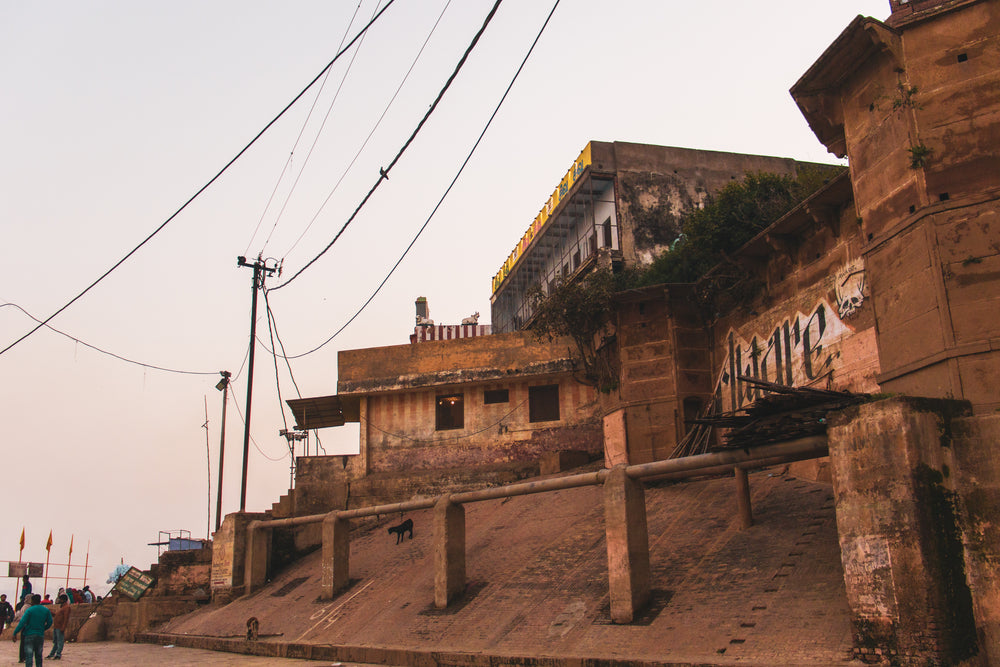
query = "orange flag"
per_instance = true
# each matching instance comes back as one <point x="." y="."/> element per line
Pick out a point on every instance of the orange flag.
<point x="22" y="539"/>
<point x="48" y="545"/>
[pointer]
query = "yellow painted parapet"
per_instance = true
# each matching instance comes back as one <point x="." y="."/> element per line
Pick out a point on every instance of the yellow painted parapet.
<point x="581" y="163"/>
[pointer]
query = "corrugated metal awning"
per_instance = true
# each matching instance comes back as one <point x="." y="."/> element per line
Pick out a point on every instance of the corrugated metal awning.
<point x="319" y="412"/>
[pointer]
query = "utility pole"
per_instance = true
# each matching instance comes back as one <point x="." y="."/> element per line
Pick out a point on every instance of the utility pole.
<point x="260" y="271"/>
<point x="222" y="386"/>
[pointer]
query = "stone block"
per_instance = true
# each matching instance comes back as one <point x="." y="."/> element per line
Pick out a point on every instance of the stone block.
<point x="627" y="544"/>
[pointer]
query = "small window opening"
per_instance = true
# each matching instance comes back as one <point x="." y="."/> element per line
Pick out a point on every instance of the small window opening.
<point x="943" y="196"/>
<point x="962" y="57"/>
<point x="450" y="413"/>
<point x="607" y="232"/>
<point x="576" y="260"/>
<point x="543" y="403"/>
<point x="913" y="209"/>
<point x="491" y="396"/>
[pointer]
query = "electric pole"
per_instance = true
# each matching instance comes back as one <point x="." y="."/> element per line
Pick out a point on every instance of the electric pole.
<point x="222" y="386"/>
<point x="260" y="271"/>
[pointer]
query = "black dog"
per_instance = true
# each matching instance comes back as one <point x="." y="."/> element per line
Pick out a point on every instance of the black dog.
<point x="405" y="527"/>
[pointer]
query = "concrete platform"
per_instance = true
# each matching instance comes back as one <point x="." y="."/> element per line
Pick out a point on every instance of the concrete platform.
<point x="537" y="593"/>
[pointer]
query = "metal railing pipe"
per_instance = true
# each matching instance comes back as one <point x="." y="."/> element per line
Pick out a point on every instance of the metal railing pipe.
<point x="806" y="447"/>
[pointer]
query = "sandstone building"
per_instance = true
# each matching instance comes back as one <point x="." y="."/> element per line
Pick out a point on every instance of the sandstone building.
<point x="884" y="280"/>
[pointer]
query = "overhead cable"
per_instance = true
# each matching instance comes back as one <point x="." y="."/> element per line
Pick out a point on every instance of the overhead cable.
<point x="384" y="172"/>
<point x="305" y="161"/>
<point x="110" y="354"/>
<point x="202" y="188"/>
<point x="446" y="192"/>
<point x="370" y="133"/>
<point x="298" y="138"/>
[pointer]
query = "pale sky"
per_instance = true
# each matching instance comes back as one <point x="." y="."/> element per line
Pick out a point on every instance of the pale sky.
<point x="114" y="113"/>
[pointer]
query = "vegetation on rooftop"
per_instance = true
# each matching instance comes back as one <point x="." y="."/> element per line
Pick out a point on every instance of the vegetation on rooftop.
<point x="709" y="236"/>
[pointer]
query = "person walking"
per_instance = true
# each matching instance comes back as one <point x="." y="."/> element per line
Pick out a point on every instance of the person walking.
<point x="59" y="623"/>
<point x="6" y="612"/>
<point x="35" y="620"/>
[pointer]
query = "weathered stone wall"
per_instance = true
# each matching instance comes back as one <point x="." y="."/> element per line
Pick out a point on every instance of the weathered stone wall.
<point x="656" y="185"/>
<point x="228" y="549"/>
<point x="665" y="374"/>
<point x="811" y="324"/>
<point x="900" y="530"/>
<point x="185" y="572"/>
<point x="401" y="435"/>
<point x="441" y="363"/>
<point x="320" y="484"/>
<point x="916" y="111"/>
<point x="976" y="477"/>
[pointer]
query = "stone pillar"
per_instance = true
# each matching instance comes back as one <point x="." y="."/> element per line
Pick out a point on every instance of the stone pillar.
<point x="336" y="555"/>
<point x="258" y="555"/>
<point x="449" y="552"/>
<point x="743" y="506"/>
<point x="977" y="480"/>
<point x="628" y="545"/>
<point x="229" y="555"/>
<point x="898" y="528"/>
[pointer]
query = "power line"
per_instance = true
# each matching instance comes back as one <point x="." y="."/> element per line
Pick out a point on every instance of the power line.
<point x="298" y="392"/>
<point x="202" y="188"/>
<point x="378" y="123"/>
<point x="446" y="192"/>
<point x="384" y="172"/>
<point x="102" y="351"/>
<point x="295" y="144"/>
<point x="259" y="450"/>
<point x="312" y="147"/>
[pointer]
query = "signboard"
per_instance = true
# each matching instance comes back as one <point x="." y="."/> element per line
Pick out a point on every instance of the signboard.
<point x="134" y="583"/>
<point x="581" y="163"/>
<point x="21" y="569"/>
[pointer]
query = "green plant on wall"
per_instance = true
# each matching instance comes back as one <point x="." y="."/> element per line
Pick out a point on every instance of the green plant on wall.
<point x="905" y="97"/>
<point x="918" y="155"/>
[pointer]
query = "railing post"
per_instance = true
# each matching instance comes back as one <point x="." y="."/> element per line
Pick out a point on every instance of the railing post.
<point x="627" y="543"/>
<point x="743" y="497"/>
<point x="336" y="554"/>
<point x="258" y="554"/>
<point x="449" y="551"/>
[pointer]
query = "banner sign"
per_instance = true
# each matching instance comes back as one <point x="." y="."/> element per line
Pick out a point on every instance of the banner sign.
<point x="21" y="569"/>
<point x="582" y="162"/>
<point x="134" y="583"/>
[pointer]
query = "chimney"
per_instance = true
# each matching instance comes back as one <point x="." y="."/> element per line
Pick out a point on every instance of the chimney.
<point x="423" y="311"/>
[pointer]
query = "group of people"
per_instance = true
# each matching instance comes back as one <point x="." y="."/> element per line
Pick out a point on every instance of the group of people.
<point x="34" y="618"/>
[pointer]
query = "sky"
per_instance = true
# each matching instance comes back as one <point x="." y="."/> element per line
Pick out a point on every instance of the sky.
<point x="115" y="113"/>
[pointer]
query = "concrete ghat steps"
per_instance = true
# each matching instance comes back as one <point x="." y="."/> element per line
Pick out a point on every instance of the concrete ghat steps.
<point x="537" y="588"/>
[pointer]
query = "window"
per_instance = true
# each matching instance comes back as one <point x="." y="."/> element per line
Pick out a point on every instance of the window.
<point x="543" y="403"/>
<point x="593" y="243"/>
<point x="576" y="260"/>
<point x="450" y="412"/>
<point x="607" y="233"/>
<point x="491" y="396"/>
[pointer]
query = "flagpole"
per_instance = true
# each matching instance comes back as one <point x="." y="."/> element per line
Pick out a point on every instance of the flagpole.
<point x="48" y="552"/>
<point x="17" y="588"/>
<point x="86" y="565"/>
<point x="69" y="560"/>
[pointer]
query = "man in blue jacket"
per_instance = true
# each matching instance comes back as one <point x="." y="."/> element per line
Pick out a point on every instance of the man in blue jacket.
<point x="34" y="622"/>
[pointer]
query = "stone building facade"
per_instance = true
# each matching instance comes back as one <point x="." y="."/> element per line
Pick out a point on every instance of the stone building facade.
<point x="913" y="105"/>
<point x="619" y="204"/>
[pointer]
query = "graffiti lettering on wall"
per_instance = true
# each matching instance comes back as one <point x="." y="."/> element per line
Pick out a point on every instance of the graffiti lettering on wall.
<point x="800" y="350"/>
